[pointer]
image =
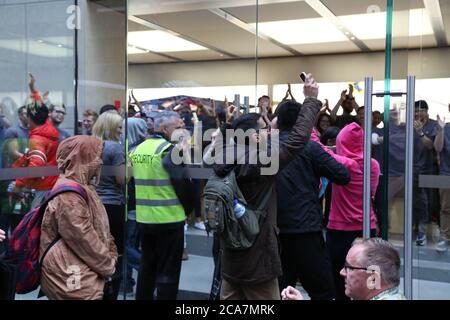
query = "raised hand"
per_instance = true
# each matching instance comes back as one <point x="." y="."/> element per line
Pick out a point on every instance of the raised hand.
<point x="231" y="113"/>
<point x="344" y="95"/>
<point x="31" y="82"/>
<point x="441" y="122"/>
<point x="310" y="88"/>
<point x="264" y="108"/>
<point x="418" y="126"/>
<point x="350" y="90"/>
<point x="325" y="107"/>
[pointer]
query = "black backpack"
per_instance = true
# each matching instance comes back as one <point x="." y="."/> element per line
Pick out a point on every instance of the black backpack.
<point x="218" y="196"/>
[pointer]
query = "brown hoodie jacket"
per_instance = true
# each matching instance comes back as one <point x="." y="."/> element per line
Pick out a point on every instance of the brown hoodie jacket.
<point x="77" y="266"/>
<point x="261" y="262"/>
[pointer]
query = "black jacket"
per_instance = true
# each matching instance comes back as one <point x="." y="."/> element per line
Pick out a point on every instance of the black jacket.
<point x="261" y="262"/>
<point x="299" y="209"/>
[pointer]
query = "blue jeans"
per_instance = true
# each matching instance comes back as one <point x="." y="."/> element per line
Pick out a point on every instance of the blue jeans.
<point x="132" y="250"/>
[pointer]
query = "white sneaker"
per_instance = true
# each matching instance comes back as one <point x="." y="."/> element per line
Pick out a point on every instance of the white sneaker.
<point x="200" y="226"/>
<point x="442" y="246"/>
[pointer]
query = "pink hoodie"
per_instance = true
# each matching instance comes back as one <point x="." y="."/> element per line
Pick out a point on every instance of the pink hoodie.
<point x="346" y="213"/>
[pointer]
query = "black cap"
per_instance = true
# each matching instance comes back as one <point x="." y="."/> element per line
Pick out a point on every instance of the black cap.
<point x="107" y="107"/>
<point x="422" y="104"/>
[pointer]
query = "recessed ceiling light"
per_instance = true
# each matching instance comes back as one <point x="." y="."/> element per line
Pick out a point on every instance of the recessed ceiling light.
<point x="40" y="41"/>
<point x="365" y="26"/>
<point x="324" y="31"/>
<point x="352" y="38"/>
<point x="160" y="41"/>
<point x="60" y="45"/>
<point x="419" y="24"/>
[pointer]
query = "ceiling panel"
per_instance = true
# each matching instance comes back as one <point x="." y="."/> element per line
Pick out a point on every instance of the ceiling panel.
<point x="346" y="7"/>
<point x="117" y="5"/>
<point x="402" y="43"/>
<point x="147" y="58"/>
<point x="211" y="29"/>
<point x="274" y="12"/>
<point x="319" y="48"/>
<point x="133" y="26"/>
<point x="198" y="55"/>
<point x="143" y="7"/>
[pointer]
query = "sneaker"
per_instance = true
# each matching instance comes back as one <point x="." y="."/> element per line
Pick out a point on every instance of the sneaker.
<point x="185" y="255"/>
<point x="200" y="226"/>
<point x="421" y="240"/>
<point x="442" y="246"/>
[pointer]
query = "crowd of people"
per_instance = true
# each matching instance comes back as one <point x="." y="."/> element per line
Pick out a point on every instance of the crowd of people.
<point x="312" y="217"/>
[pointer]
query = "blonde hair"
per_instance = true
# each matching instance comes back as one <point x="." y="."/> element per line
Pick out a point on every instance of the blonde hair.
<point x="107" y="125"/>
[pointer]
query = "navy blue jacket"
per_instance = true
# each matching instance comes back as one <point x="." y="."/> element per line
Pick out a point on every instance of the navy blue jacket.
<point x="299" y="209"/>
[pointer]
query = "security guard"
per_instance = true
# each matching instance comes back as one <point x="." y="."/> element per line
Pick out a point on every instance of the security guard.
<point x="159" y="214"/>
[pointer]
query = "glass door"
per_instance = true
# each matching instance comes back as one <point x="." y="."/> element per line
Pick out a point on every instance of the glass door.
<point x="420" y="35"/>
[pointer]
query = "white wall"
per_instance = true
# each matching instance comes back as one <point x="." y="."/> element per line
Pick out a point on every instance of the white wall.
<point x="101" y="57"/>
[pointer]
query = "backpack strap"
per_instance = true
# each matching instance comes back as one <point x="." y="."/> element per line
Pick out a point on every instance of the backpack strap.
<point x="262" y="201"/>
<point x="72" y="187"/>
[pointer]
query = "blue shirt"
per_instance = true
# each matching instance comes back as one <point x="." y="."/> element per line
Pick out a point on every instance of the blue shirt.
<point x="444" y="155"/>
<point x="20" y="134"/>
<point x="397" y="135"/>
<point x="63" y="134"/>
<point x="108" y="190"/>
<point x="424" y="162"/>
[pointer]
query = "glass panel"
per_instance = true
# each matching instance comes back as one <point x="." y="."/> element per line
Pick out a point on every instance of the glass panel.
<point x="73" y="53"/>
<point x="102" y="87"/>
<point x="421" y="27"/>
<point x="193" y="59"/>
<point x="37" y="38"/>
<point x="429" y="65"/>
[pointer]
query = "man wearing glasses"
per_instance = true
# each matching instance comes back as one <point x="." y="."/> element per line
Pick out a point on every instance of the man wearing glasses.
<point x="57" y="114"/>
<point x="371" y="272"/>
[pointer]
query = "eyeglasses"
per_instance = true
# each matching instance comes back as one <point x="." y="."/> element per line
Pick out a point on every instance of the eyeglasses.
<point x="347" y="267"/>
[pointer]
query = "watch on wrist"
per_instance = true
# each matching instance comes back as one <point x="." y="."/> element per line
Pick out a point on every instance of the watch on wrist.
<point x="422" y="134"/>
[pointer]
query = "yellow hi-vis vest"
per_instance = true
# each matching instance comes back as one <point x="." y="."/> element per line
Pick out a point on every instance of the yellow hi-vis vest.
<point x="156" y="200"/>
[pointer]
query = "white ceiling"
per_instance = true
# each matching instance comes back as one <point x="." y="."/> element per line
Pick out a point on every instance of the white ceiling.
<point x="225" y="27"/>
